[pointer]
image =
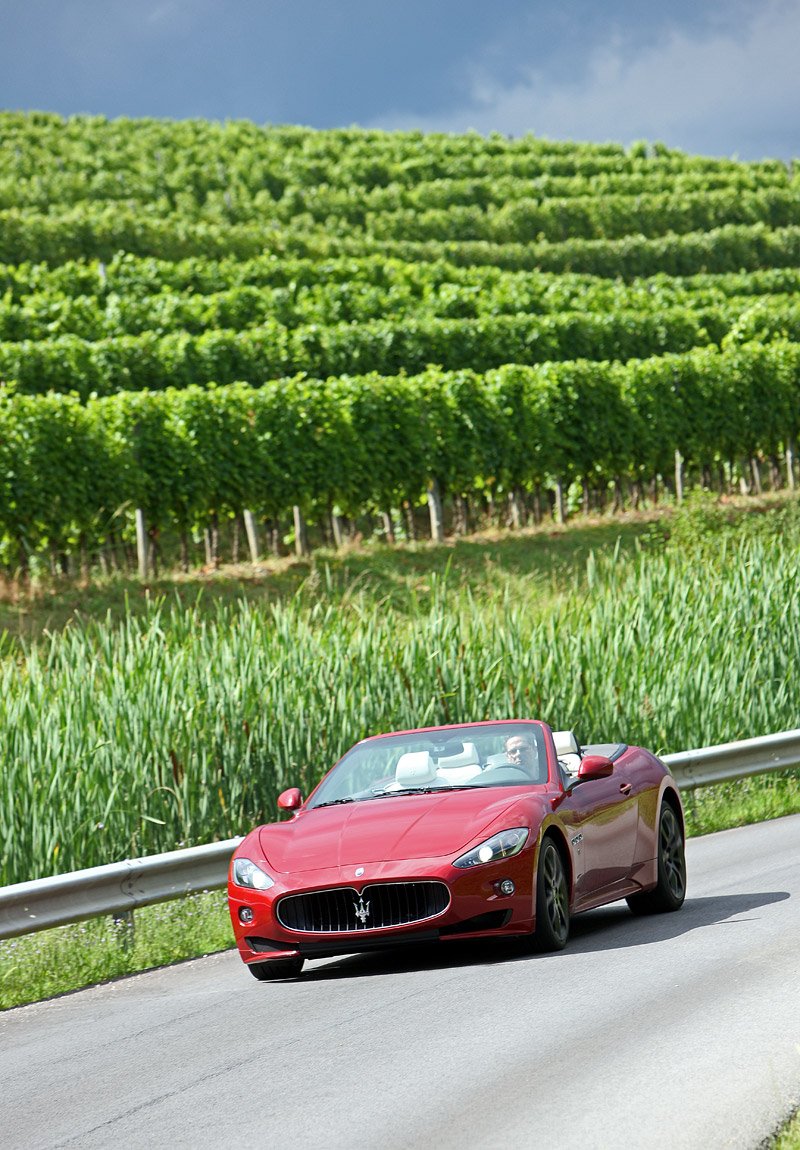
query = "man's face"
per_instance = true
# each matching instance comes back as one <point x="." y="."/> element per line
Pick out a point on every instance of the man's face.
<point x="521" y="752"/>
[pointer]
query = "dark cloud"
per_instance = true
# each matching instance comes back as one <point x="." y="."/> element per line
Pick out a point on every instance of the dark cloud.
<point x="578" y="68"/>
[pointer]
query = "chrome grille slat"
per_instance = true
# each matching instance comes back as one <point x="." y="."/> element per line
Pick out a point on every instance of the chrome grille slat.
<point x="345" y="906"/>
<point x="390" y="904"/>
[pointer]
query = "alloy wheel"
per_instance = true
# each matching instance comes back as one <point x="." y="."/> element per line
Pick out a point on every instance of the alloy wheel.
<point x="672" y="856"/>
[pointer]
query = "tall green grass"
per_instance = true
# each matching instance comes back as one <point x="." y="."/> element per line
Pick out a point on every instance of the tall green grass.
<point x="180" y="726"/>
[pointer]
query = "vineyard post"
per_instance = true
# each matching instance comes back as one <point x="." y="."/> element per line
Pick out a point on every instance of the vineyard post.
<point x="515" y="507"/>
<point x="252" y="535"/>
<point x="388" y="526"/>
<point x="142" y="543"/>
<point x="790" y="463"/>
<point x="744" y="483"/>
<point x="336" y="528"/>
<point x="300" y="534"/>
<point x="560" y="508"/>
<point x="755" y="471"/>
<point x="678" y="477"/>
<point x="435" y="509"/>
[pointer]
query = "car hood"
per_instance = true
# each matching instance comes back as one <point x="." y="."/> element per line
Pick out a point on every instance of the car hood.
<point x="388" y="829"/>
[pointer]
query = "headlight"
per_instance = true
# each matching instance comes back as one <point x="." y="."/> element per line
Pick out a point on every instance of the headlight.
<point x="246" y="873"/>
<point x="501" y="846"/>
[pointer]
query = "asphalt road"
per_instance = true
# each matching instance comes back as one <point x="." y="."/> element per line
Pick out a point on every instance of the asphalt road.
<point x="678" y="1031"/>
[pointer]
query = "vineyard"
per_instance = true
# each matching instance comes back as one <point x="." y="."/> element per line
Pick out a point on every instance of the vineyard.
<point x="314" y="333"/>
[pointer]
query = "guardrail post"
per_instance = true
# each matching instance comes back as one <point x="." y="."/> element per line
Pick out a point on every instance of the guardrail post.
<point x="124" y="927"/>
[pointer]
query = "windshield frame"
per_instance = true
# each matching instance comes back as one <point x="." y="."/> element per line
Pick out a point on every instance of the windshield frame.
<point x="332" y="790"/>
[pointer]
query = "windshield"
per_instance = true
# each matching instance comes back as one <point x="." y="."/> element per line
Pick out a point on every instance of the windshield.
<point x="490" y="755"/>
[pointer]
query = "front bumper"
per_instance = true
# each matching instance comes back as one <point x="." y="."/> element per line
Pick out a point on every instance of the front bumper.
<point x="476" y="907"/>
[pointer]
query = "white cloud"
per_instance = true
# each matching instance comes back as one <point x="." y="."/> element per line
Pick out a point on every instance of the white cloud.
<point x="162" y="13"/>
<point x="734" y="90"/>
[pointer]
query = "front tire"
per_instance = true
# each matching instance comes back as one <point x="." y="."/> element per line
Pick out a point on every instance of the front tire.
<point x="280" y="968"/>
<point x="552" y="900"/>
<point x="670" y="890"/>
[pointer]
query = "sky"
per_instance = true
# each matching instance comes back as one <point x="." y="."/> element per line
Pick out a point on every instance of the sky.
<point x="712" y="77"/>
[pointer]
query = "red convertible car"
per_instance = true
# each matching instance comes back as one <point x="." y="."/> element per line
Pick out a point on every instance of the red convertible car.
<point x="491" y="829"/>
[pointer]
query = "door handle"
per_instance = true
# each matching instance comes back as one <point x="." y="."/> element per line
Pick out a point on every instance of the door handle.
<point x="625" y="788"/>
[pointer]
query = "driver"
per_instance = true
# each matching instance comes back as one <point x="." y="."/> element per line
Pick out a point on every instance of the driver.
<point x="522" y="753"/>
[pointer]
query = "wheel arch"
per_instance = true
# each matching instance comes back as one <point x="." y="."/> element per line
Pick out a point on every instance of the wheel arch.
<point x="671" y="797"/>
<point x="553" y="831"/>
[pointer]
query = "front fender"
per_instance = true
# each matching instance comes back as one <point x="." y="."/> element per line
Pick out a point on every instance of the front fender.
<point x="570" y="851"/>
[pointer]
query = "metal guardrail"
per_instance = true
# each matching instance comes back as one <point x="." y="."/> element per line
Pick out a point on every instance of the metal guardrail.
<point x="119" y="888"/>
<point x="730" y="761"/>
<point x="115" y="889"/>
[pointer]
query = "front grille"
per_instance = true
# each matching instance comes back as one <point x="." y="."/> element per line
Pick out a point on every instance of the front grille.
<point x="375" y="908"/>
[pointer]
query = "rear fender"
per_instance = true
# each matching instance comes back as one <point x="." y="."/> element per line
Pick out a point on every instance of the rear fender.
<point x="645" y="871"/>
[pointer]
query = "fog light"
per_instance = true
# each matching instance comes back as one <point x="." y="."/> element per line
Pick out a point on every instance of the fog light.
<point x="246" y="915"/>
<point x="507" y="886"/>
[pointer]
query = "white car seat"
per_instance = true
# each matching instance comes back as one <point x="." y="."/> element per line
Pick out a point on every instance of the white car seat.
<point x="568" y="752"/>
<point x="461" y="767"/>
<point x="414" y="769"/>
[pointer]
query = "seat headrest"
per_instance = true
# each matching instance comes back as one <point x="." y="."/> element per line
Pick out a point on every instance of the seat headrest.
<point x="566" y="743"/>
<point x="415" y="769"/>
<point x="468" y="756"/>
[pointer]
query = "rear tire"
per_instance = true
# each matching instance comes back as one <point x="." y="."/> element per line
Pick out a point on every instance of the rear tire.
<point x="280" y="968"/>
<point x="670" y="890"/>
<point x="552" y="900"/>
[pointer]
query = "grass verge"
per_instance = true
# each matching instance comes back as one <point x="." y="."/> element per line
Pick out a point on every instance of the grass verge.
<point x="72" y="957"/>
<point x="751" y="800"/>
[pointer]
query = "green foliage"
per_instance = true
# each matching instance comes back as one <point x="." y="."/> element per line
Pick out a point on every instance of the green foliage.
<point x="270" y="317"/>
<point x="727" y="249"/>
<point x="69" y="363"/>
<point x="704" y="523"/>
<point x="371" y="441"/>
<point x="57" y="477"/>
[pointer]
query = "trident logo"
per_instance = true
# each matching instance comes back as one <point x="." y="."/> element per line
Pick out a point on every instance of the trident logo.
<point x="362" y="910"/>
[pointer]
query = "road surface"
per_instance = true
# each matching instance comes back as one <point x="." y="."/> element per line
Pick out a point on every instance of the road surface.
<point x="681" y="1030"/>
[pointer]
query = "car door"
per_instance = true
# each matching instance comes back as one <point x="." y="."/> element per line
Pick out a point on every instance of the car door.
<point x="602" y="818"/>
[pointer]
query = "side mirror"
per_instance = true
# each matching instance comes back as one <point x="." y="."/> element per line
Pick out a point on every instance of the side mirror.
<point x="594" y="767"/>
<point x="290" y="800"/>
